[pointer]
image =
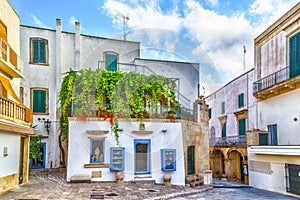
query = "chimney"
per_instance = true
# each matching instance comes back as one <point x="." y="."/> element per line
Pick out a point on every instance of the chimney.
<point x="77" y="45"/>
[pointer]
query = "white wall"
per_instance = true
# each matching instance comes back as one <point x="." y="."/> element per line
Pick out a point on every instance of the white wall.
<point x="79" y="148"/>
<point x="9" y="164"/>
<point x="282" y="110"/>
<point x="229" y="93"/>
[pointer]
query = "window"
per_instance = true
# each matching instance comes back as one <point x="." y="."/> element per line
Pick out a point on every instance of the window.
<point x="241" y="100"/>
<point x="39" y="100"/>
<point x="295" y="55"/>
<point x="209" y="113"/>
<point x="111" y="61"/>
<point x="97" y="151"/>
<point x="272" y="134"/>
<point x="38" y="51"/>
<point x="242" y="126"/>
<point x="223" y="107"/>
<point x="263" y="139"/>
<point x="223" y="126"/>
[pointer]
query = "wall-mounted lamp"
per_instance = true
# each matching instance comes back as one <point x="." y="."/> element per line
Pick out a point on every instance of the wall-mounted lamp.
<point x="47" y="125"/>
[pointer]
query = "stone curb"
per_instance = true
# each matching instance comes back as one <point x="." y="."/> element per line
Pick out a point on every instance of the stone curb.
<point x="180" y="194"/>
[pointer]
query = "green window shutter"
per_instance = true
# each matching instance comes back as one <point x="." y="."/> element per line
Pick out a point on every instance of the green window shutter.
<point x="111" y="62"/>
<point x="224" y="130"/>
<point x="42" y="52"/>
<point x="242" y="126"/>
<point x="35" y="50"/>
<point x="223" y="107"/>
<point x="209" y="113"/>
<point x="39" y="101"/>
<point x="295" y="55"/>
<point x="241" y="100"/>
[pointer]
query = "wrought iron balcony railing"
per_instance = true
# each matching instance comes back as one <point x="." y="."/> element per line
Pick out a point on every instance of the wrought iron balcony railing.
<point x="276" y="78"/>
<point x="239" y="140"/>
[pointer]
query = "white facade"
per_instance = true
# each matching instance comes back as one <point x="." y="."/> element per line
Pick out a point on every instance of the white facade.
<point x="162" y="136"/>
<point x="275" y="164"/>
<point x="10" y="163"/>
<point x="229" y="94"/>
<point x="75" y="51"/>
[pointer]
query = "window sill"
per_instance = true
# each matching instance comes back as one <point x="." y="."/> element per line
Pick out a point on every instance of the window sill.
<point x="96" y="165"/>
<point x="37" y="63"/>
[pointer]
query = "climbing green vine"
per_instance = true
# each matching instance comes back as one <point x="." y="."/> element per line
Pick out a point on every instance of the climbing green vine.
<point x="122" y="94"/>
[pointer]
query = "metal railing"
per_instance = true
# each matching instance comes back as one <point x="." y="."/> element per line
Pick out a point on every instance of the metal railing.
<point x="12" y="111"/>
<point x="239" y="140"/>
<point x="10" y="56"/>
<point x="150" y="112"/>
<point x="276" y="78"/>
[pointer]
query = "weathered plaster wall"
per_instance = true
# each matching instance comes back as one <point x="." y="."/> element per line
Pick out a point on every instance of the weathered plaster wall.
<point x="229" y="93"/>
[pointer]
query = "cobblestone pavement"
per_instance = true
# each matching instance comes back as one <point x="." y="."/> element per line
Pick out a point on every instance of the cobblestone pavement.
<point x="52" y="185"/>
<point x="44" y="185"/>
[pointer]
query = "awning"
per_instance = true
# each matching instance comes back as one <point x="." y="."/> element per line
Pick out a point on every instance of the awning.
<point x="6" y="84"/>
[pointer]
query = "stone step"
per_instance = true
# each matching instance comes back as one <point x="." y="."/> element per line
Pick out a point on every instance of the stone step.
<point x="81" y="178"/>
<point x="143" y="178"/>
<point x="196" y="183"/>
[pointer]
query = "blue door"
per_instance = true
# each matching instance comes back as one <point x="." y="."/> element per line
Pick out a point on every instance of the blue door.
<point x="40" y="161"/>
<point x="142" y="152"/>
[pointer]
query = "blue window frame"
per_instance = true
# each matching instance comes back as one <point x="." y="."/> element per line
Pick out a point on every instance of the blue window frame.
<point x="142" y="153"/>
<point x="97" y="151"/>
<point x="117" y="158"/>
<point x="168" y="160"/>
<point x="295" y="55"/>
<point x="39" y="50"/>
<point x="111" y="62"/>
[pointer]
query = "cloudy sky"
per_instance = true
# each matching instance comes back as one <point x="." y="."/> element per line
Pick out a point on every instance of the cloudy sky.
<point x="211" y="32"/>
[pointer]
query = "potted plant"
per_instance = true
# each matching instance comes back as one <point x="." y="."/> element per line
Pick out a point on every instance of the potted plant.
<point x="35" y="148"/>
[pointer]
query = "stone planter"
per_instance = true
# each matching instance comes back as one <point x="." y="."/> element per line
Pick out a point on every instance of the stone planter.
<point x="167" y="180"/>
<point x="119" y="177"/>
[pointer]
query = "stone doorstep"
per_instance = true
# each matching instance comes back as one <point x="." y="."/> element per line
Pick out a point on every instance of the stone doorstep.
<point x="80" y="178"/>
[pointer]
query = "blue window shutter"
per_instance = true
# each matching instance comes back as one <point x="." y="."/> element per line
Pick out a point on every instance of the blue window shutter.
<point x="272" y="132"/>
<point x="39" y="101"/>
<point x="111" y="62"/>
<point x="35" y="50"/>
<point x="42" y="52"/>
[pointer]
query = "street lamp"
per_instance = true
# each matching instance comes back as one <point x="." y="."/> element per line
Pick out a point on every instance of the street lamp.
<point x="47" y="125"/>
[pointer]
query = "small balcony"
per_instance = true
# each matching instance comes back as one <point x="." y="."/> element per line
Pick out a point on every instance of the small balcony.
<point x="10" y="62"/>
<point x="14" y="112"/>
<point x="277" y="83"/>
<point x="238" y="140"/>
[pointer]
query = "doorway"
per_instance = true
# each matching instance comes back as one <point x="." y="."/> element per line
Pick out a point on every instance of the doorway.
<point x="191" y="160"/>
<point x="142" y="152"/>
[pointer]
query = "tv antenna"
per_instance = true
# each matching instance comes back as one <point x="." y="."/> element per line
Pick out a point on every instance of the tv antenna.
<point x="125" y="19"/>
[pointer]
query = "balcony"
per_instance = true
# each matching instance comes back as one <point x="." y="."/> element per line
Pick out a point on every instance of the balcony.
<point x="277" y="83"/>
<point x="238" y="140"/>
<point x="14" y="112"/>
<point x="10" y="62"/>
<point x="153" y="112"/>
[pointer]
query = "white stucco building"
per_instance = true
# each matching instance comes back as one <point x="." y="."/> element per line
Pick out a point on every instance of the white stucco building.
<point x="15" y="118"/>
<point x="275" y="164"/>
<point x="49" y="54"/>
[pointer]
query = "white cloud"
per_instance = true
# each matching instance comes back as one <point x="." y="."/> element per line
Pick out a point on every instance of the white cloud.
<point x="72" y="20"/>
<point x="222" y="37"/>
<point x="38" y="22"/>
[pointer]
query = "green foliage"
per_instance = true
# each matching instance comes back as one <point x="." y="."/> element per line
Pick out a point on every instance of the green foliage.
<point x="35" y="146"/>
<point x="125" y="91"/>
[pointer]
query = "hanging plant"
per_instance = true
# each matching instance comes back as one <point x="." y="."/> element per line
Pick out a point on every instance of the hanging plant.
<point x="83" y="94"/>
